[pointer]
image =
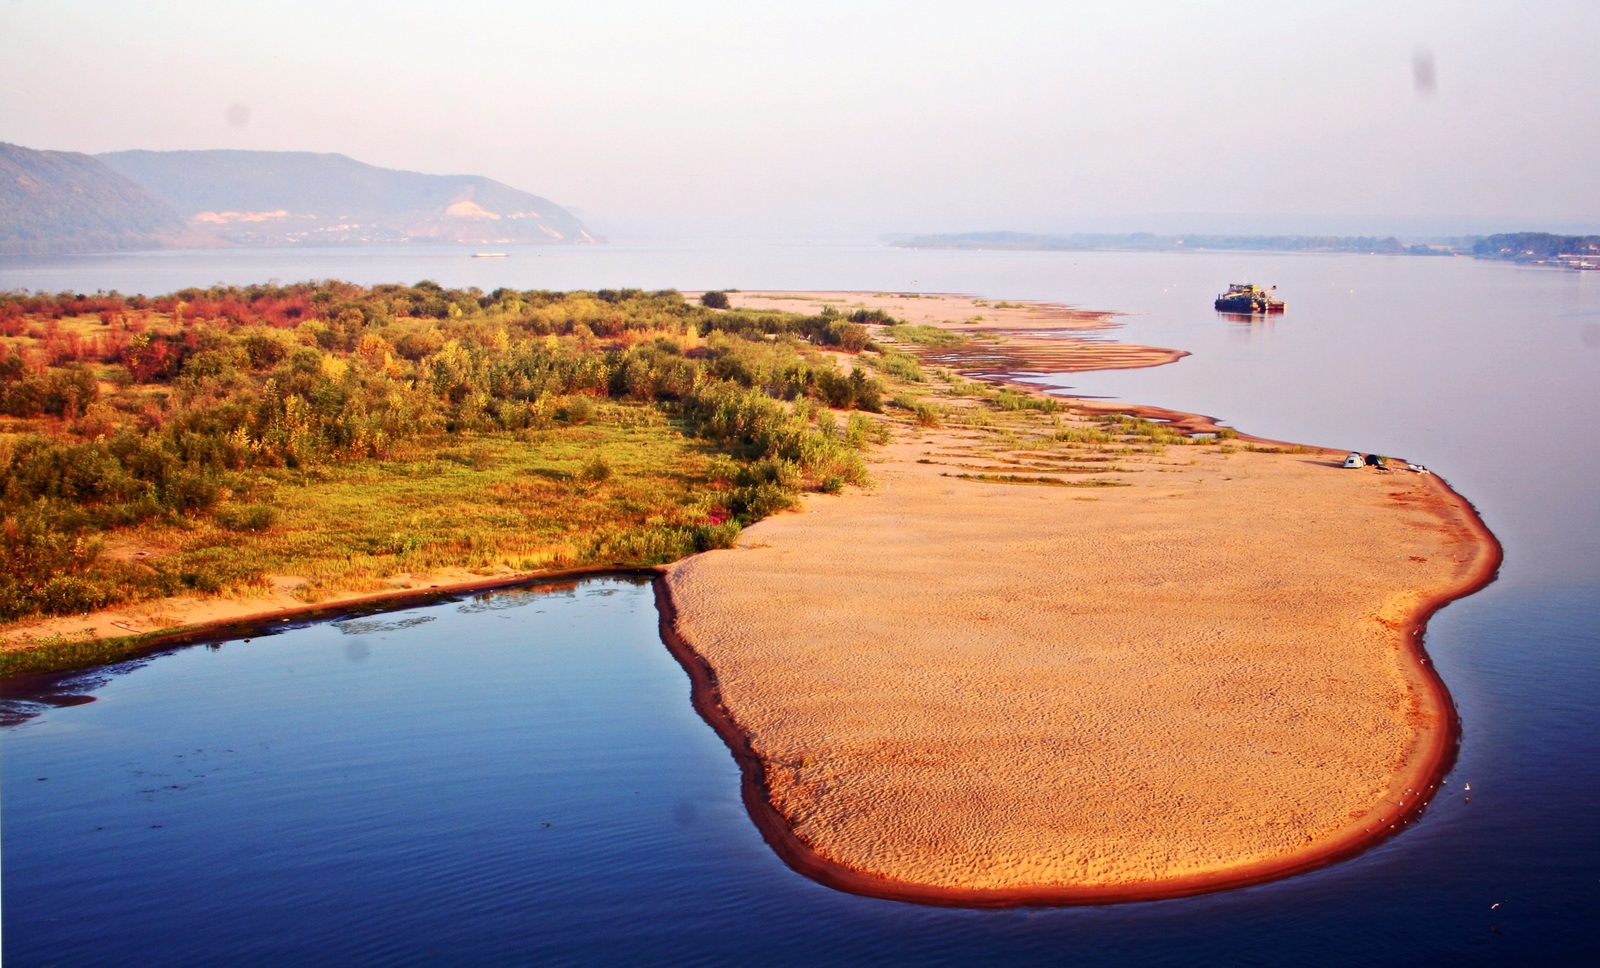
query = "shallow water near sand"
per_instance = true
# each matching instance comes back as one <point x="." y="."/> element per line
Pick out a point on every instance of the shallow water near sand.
<point x="377" y="790"/>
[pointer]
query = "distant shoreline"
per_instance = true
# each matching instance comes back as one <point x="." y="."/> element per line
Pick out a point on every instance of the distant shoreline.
<point x="1528" y="248"/>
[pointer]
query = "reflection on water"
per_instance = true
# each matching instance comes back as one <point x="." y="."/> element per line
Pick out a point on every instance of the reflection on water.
<point x="526" y="783"/>
<point x="520" y="778"/>
<point x="370" y="626"/>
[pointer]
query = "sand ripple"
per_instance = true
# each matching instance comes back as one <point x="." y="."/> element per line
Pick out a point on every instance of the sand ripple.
<point x="1200" y="678"/>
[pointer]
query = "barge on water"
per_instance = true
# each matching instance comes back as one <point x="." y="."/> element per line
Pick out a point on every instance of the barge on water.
<point x="1247" y="298"/>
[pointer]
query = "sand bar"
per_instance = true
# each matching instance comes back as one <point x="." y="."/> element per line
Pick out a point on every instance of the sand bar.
<point x="1006" y="337"/>
<point x="959" y="691"/>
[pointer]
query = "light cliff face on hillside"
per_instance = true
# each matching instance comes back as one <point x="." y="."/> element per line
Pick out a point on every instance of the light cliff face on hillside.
<point x="291" y="197"/>
<point x="463" y="222"/>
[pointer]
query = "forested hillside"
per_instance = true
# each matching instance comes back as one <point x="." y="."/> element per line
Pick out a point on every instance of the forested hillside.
<point x="62" y="201"/>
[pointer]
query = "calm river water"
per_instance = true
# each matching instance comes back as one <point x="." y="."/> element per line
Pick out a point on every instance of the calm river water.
<point x="519" y="778"/>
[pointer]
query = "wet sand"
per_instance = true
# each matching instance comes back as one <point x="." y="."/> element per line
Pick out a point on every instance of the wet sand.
<point x="960" y="691"/>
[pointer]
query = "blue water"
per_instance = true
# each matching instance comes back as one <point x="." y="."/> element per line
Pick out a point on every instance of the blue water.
<point x="376" y="791"/>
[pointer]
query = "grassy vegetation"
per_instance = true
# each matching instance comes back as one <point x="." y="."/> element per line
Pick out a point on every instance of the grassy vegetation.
<point x="1037" y="479"/>
<point x="59" y="653"/>
<point x="1289" y="449"/>
<point x="327" y="438"/>
<point x="920" y="335"/>
<point x="923" y="413"/>
<point x="216" y="440"/>
<point x="1008" y="399"/>
<point x="901" y="366"/>
<point x="1009" y="436"/>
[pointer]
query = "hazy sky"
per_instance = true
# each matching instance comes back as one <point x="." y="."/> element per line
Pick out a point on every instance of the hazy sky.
<point x="824" y="120"/>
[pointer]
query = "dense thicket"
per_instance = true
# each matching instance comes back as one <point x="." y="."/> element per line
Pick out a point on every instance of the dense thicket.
<point x="132" y="408"/>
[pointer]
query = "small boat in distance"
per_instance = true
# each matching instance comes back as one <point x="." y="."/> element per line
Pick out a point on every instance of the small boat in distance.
<point x="1248" y="298"/>
<point x="488" y="255"/>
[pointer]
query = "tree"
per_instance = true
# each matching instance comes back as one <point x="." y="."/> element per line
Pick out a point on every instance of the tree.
<point x="714" y="299"/>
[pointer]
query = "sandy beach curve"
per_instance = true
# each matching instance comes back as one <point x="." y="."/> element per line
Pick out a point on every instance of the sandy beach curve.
<point x="1204" y="672"/>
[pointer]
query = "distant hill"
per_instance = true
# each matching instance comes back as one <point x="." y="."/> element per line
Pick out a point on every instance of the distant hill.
<point x="298" y="197"/>
<point x="61" y="201"/>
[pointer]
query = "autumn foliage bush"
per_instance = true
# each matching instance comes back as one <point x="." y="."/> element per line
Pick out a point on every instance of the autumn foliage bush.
<point x="136" y="409"/>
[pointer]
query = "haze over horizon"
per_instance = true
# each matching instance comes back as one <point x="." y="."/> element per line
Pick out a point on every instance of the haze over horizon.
<point x="831" y="123"/>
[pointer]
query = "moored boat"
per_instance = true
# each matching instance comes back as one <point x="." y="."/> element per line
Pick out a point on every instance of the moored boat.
<point x="1248" y="298"/>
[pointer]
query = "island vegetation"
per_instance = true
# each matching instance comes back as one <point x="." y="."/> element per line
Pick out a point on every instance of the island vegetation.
<point x="1537" y="247"/>
<point x="214" y="440"/>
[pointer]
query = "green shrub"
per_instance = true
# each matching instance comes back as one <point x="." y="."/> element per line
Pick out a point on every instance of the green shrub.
<point x="577" y="411"/>
<point x="923" y="413"/>
<point x="708" y="537"/>
<point x="871" y="316"/>
<point x="756" y="501"/>
<point x="866" y="393"/>
<point x="250" y="517"/>
<point x="847" y="336"/>
<point x="596" y="470"/>
<point x="1009" y="399"/>
<point x="902" y="366"/>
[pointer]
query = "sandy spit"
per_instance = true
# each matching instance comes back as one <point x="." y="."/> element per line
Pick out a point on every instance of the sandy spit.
<point x="1008" y="337"/>
<point x="957" y="311"/>
<point x="965" y="692"/>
